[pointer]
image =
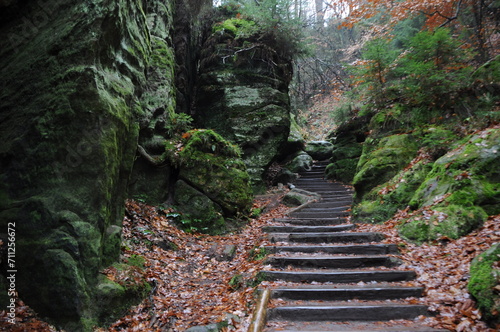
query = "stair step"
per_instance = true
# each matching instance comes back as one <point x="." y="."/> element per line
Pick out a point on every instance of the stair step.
<point x="353" y="326"/>
<point x="307" y="229"/>
<point x="365" y="249"/>
<point x="300" y="214"/>
<point x="318" y="183"/>
<point x="333" y="204"/>
<point x="340" y="276"/>
<point x="312" y="173"/>
<point x="313" y="209"/>
<point x="325" y="189"/>
<point x="334" y="197"/>
<point x="336" y="293"/>
<point x="343" y="262"/>
<point x="335" y="237"/>
<point x="357" y="312"/>
<point x="312" y="221"/>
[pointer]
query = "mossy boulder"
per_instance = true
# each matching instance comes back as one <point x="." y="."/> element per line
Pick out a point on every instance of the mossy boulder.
<point x="484" y="283"/>
<point x="212" y="166"/>
<point x="319" y="150"/>
<point x="300" y="162"/>
<point x="381" y="160"/>
<point x="468" y="175"/>
<point x="114" y="298"/>
<point x="383" y="201"/>
<point x="464" y="184"/>
<point x="200" y="212"/>
<point x="297" y="197"/>
<point x="243" y="95"/>
<point x="450" y="221"/>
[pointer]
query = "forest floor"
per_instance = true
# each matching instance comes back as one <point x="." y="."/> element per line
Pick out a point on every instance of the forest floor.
<point x="196" y="282"/>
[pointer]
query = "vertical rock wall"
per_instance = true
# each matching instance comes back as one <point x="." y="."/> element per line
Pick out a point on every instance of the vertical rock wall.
<point x="74" y="93"/>
<point x="243" y="94"/>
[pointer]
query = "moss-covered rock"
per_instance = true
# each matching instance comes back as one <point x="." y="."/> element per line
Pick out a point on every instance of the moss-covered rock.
<point x="130" y="287"/>
<point x="451" y="221"/>
<point x="381" y="160"/>
<point x="296" y="197"/>
<point x="484" y="283"/>
<point x="243" y="95"/>
<point x="73" y="85"/>
<point x="347" y="142"/>
<point x="300" y="162"/>
<point x="463" y="185"/>
<point x="296" y="141"/>
<point x="201" y="213"/>
<point x="319" y="150"/>
<point x="468" y="175"/>
<point x="211" y="165"/>
<point x="383" y="201"/>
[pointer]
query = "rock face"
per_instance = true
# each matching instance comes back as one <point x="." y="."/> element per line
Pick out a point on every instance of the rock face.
<point x="381" y="160"/>
<point x="243" y="95"/>
<point x="463" y="187"/>
<point x="319" y="150"/>
<point x="483" y="283"/>
<point x="214" y="185"/>
<point x="73" y="85"/>
<point x="347" y="142"/>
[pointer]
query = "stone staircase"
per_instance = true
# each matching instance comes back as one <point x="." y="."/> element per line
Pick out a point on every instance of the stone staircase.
<point x="332" y="278"/>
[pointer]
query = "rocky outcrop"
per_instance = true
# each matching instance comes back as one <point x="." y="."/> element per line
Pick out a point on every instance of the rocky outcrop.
<point x="74" y="82"/>
<point x="319" y="150"/>
<point x="461" y="190"/>
<point x="381" y="160"/>
<point x="213" y="184"/>
<point x="347" y="142"/>
<point x="243" y="94"/>
<point x="87" y="106"/>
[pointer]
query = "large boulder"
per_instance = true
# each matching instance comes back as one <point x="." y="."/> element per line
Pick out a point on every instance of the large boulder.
<point x="383" y="201"/>
<point x="319" y="150"/>
<point x="243" y="95"/>
<point x="73" y="78"/>
<point x="381" y="160"/>
<point x="300" y="162"/>
<point x="463" y="185"/>
<point x="214" y="184"/>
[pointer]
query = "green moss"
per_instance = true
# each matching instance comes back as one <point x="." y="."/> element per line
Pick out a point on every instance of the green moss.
<point x="372" y="211"/>
<point x="452" y="221"/>
<point x="436" y="140"/>
<point x="467" y="175"/>
<point x="215" y="184"/>
<point x="381" y="160"/>
<point x="238" y="27"/>
<point x="114" y="299"/>
<point x="484" y="279"/>
<point x="342" y="170"/>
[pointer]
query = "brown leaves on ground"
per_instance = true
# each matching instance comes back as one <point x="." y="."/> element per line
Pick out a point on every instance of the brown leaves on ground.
<point x="442" y="268"/>
<point x="193" y="284"/>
